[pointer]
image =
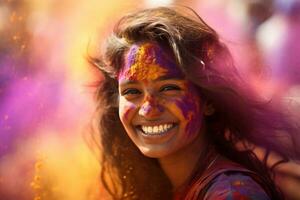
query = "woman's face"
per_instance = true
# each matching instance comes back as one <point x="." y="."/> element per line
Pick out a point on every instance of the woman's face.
<point x="160" y="110"/>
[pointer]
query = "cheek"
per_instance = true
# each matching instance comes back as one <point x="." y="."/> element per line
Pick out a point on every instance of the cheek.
<point x="187" y="108"/>
<point x="126" y="111"/>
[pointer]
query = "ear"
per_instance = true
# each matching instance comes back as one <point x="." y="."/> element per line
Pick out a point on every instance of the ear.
<point x="209" y="109"/>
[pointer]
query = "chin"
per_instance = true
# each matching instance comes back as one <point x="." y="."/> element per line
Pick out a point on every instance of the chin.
<point x="154" y="153"/>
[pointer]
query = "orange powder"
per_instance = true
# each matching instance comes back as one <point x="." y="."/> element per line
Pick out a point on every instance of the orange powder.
<point x="145" y="65"/>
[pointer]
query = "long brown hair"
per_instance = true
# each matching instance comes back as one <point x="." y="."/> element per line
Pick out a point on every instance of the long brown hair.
<point x="206" y="61"/>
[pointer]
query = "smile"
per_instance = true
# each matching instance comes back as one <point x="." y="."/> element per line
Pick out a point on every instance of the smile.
<point x="158" y="129"/>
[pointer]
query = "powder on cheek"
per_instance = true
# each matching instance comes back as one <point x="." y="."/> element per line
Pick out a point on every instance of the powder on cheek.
<point x="126" y="111"/>
<point x="190" y="110"/>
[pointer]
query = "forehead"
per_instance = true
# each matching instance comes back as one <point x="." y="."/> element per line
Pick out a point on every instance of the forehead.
<point x="148" y="61"/>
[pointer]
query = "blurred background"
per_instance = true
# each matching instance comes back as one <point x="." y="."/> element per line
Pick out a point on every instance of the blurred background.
<point x="46" y="97"/>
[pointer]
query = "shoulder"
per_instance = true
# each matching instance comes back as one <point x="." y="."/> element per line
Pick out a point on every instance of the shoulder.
<point x="227" y="180"/>
<point x="234" y="185"/>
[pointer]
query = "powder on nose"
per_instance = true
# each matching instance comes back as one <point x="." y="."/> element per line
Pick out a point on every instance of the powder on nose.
<point x="151" y="106"/>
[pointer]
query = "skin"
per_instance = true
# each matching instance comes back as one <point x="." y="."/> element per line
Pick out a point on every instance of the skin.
<point x="153" y="92"/>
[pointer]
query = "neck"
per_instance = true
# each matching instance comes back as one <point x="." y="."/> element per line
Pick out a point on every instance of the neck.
<point x="180" y="165"/>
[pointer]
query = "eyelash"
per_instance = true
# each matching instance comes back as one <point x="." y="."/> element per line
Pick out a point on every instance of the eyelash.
<point x="131" y="91"/>
<point x="169" y="87"/>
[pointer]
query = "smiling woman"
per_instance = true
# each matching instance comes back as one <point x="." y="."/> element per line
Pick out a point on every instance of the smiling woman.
<point x="175" y="114"/>
<point x="158" y="107"/>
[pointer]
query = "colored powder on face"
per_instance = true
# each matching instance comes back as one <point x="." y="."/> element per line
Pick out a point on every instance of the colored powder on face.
<point x="189" y="106"/>
<point x="127" y="111"/>
<point x="148" y="62"/>
<point x="151" y="106"/>
<point x="193" y="123"/>
<point x="146" y="108"/>
<point x="189" y="109"/>
<point x="188" y="102"/>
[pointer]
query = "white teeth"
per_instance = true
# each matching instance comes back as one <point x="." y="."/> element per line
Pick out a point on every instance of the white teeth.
<point x="165" y="126"/>
<point x="160" y="129"/>
<point x="156" y="129"/>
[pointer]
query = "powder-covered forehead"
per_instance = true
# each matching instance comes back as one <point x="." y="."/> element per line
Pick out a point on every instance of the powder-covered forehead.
<point x="148" y="61"/>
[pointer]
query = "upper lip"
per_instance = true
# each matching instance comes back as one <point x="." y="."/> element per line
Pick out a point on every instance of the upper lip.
<point x="154" y="123"/>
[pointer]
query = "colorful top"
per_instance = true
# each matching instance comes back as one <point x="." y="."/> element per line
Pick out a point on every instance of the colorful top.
<point x="233" y="186"/>
<point x="225" y="180"/>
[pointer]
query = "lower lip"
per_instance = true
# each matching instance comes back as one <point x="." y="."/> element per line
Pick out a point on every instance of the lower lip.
<point x="160" y="137"/>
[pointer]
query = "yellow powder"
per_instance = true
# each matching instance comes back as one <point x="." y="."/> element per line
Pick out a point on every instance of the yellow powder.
<point x="145" y="66"/>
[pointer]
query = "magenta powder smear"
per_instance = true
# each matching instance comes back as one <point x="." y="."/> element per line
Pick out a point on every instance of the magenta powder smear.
<point x="189" y="107"/>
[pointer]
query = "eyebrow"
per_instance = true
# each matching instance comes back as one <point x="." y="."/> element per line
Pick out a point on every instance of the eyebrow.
<point x="169" y="77"/>
<point x="162" y="78"/>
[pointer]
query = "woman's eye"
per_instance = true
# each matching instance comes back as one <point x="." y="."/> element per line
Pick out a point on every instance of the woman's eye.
<point x="130" y="91"/>
<point x="170" y="88"/>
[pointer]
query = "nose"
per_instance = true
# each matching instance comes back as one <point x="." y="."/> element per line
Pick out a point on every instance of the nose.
<point x="150" y="108"/>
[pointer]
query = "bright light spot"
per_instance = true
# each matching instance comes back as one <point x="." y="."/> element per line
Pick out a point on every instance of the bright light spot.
<point x="153" y="3"/>
<point x="270" y="33"/>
